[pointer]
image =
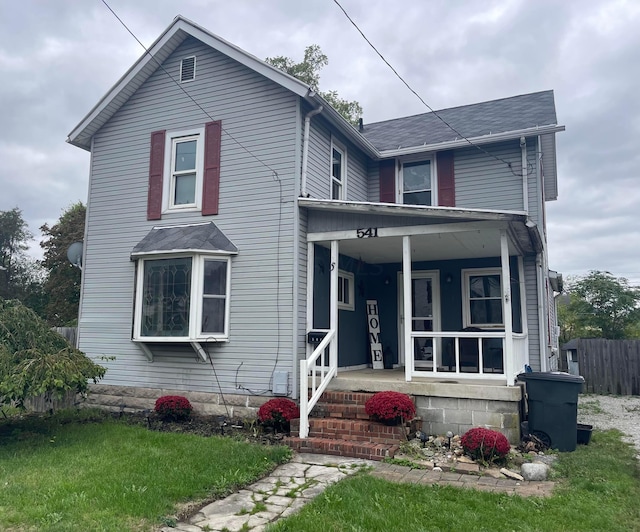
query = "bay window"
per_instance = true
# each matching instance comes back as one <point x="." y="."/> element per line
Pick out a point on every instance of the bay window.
<point x="182" y="298"/>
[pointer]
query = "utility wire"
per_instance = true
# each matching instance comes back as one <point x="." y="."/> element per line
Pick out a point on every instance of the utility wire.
<point x="509" y="164"/>
<point x="186" y="93"/>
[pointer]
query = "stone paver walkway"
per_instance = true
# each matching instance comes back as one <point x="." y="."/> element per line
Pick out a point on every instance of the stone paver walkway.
<point x="292" y="485"/>
<point x="285" y="491"/>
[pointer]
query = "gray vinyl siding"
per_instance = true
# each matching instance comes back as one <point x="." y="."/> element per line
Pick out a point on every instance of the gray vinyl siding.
<point x="484" y="182"/>
<point x="548" y="148"/>
<point x="533" y="323"/>
<point x="255" y="214"/>
<point x="532" y="180"/>
<point x="319" y="163"/>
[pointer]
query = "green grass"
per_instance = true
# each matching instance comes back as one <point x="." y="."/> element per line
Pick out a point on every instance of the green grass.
<point x="58" y="475"/>
<point x="591" y="406"/>
<point x="598" y="489"/>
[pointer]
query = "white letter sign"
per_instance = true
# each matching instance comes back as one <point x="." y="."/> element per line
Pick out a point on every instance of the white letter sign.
<point x="374" y="334"/>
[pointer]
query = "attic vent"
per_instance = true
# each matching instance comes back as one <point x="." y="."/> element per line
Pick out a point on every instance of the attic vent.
<point x="188" y="69"/>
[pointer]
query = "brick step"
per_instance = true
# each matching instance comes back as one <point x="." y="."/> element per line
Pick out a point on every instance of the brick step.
<point x="352" y="430"/>
<point x="338" y="410"/>
<point x="367" y="450"/>
<point x="345" y="398"/>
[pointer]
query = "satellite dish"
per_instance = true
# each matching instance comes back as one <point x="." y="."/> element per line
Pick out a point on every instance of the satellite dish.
<point x="74" y="254"/>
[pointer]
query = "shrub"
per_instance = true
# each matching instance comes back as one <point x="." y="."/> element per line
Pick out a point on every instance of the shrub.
<point x="35" y="360"/>
<point x="278" y="412"/>
<point x="387" y="406"/>
<point x="173" y="408"/>
<point x="485" y="444"/>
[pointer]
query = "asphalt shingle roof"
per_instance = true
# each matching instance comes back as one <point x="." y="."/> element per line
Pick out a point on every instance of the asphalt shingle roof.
<point x="201" y="237"/>
<point x="476" y="120"/>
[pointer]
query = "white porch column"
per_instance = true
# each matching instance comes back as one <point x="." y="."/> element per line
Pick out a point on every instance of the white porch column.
<point x="406" y="288"/>
<point x="506" y="308"/>
<point x="333" y="305"/>
<point x="311" y="262"/>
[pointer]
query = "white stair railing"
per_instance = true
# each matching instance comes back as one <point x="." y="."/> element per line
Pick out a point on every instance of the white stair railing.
<point x="315" y="373"/>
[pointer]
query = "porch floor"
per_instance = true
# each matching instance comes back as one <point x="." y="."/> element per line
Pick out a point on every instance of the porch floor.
<point x="377" y="380"/>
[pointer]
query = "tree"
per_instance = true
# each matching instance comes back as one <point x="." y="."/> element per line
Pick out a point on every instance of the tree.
<point x="62" y="285"/>
<point x="35" y="360"/>
<point x="308" y="71"/>
<point x="600" y="306"/>
<point x="20" y="276"/>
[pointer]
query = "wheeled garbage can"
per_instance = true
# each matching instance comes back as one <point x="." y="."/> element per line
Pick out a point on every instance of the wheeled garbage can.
<point x="552" y="400"/>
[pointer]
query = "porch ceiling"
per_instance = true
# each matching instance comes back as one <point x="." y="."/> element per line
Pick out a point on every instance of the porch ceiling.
<point x="437" y="233"/>
<point x="444" y="246"/>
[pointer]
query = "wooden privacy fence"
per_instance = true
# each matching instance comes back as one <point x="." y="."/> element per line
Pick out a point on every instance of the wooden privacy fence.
<point x="610" y="366"/>
<point x="70" y="333"/>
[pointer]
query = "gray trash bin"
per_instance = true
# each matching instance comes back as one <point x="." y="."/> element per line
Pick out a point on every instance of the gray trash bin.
<point x="552" y="400"/>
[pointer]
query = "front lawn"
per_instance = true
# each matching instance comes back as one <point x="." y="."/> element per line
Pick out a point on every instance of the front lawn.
<point x="110" y="476"/>
<point x="598" y="489"/>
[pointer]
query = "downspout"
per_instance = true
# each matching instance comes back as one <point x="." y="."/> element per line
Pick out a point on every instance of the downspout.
<point x="525" y="175"/>
<point x="542" y="320"/>
<point x="305" y="151"/>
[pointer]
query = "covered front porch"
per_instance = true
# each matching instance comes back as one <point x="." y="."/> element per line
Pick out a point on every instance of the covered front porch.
<point x="417" y="301"/>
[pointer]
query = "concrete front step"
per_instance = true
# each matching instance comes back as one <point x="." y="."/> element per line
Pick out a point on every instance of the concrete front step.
<point x="352" y="430"/>
<point x="338" y="447"/>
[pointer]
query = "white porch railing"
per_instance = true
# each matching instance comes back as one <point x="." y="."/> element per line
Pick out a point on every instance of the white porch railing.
<point x="467" y="355"/>
<point x="315" y="374"/>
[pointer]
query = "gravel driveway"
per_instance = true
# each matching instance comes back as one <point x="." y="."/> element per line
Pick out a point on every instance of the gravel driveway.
<point x="620" y="412"/>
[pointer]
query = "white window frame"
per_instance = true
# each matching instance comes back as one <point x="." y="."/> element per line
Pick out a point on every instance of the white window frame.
<point x="340" y="148"/>
<point x="195" y="299"/>
<point x="172" y="139"/>
<point x="434" y="185"/>
<point x="342" y="275"/>
<point x="466" y="296"/>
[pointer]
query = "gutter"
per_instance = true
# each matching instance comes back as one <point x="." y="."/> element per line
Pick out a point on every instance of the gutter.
<point x="525" y="174"/>
<point x="461" y="143"/>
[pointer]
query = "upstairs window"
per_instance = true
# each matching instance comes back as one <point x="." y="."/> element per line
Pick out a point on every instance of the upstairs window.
<point x="185" y="168"/>
<point x="483" y="298"/>
<point x="338" y="170"/>
<point x="417" y="183"/>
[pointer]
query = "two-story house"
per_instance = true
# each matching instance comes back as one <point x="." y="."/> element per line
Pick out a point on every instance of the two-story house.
<point x="244" y="241"/>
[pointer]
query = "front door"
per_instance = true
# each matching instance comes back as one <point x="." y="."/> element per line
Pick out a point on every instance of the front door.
<point x="425" y="316"/>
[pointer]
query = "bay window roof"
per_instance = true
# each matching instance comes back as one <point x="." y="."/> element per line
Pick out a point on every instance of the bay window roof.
<point x="200" y="238"/>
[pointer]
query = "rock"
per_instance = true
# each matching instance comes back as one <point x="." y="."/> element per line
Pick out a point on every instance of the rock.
<point x="511" y="474"/>
<point x="534" y="471"/>
<point x="439" y="441"/>
<point x="458" y="452"/>
<point x="493" y="473"/>
<point x="437" y="468"/>
<point x="530" y="446"/>
<point x="465" y="460"/>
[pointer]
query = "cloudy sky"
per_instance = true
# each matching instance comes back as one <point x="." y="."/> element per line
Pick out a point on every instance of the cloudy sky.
<point x="59" y="57"/>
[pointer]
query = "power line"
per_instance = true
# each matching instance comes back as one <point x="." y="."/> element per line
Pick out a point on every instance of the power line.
<point x="187" y="94"/>
<point x="509" y="164"/>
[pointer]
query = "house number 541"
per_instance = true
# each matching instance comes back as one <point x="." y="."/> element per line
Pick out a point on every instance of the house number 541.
<point x="369" y="232"/>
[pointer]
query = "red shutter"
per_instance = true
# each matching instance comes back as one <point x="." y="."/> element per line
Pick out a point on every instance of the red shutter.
<point x="211" y="181"/>
<point x="156" y="168"/>
<point x="387" y="173"/>
<point x="446" y="179"/>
